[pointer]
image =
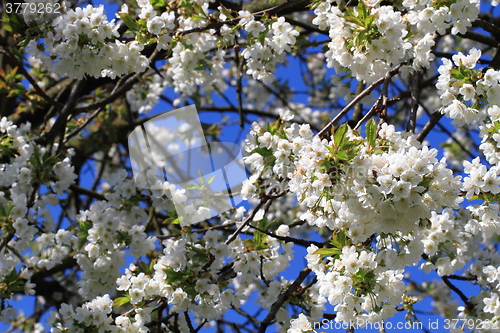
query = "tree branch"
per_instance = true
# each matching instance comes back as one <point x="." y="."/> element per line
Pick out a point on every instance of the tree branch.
<point x="415" y="94"/>
<point x="282" y="299"/>
<point x="435" y="117"/>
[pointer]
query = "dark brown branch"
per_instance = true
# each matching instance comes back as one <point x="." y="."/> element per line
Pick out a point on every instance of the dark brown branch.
<point x="415" y="94"/>
<point x="131" y="80"/>
<point x="87" y="192"/>
<point x="308" y="27"/>
<point x="487" y="26"/>
<point x="469" y="305"/>
<point x="462" y="278"/>
<point x="69" y="107"/>
<point x="297" y="241"/>
<point x="446" y="279"/>
<point x="436" y="116"/>
<point x="479" y="38"/>
<point x="282" y="299"/>
<point x="197" y="231"/>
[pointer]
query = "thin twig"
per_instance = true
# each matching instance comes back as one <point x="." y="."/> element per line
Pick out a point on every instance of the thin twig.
<point x="245" y="222"/>
<point x="469" y="305"/>
<point x="451" y="135"/>
<point x="69" y="107"/>
<point x="85" y="123"/>
<point x="198" y="231"/>
<point x="356" y="99"/>
<point x="250" y="217"/>
<point x="96" y="112"/>
<point x="368" y="115"/>
<point x="462" y="278"/>
<point x="381" y="102"/>
<point x="297" y="241"/>
<point x="30" y="79"/>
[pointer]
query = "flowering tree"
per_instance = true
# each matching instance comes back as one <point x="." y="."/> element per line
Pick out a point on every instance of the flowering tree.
<point x="348" y="172"/>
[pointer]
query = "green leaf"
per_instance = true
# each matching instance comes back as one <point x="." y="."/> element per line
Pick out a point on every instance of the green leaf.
<point x="265" y="152"/>
<point x="85" y="226"/>
<point x="173" y="276"/>
<point x="143" y="267"/>
<point x="2" y="210"/>
<point x="121" y="300"/>
<point x="328" y="251"/>
<point x="371" y="132"/>
<point x="349" y="145"/>
<point x="200" y="254"/>
<point x="330" y="149"/>
<point x="455" y="73"/>
<point x="17" y="286"/>
<point x="269" y="161"/>
<point x="427" y="180"/>
<point x="264" y="223"/>
<point x="158" y="3"/>
<point x="197" y="18"/>
<point x="84" y="232"/>
<point x="198" y="9"/>
<point x="339" y="239"/>
<point x="15" y="23"/>
<point x="11" y="277"/>
<point x="340" y="134"/>
<point x="262" y="36"/>
<point x="342" y="155"/>
<point x="225" y="11"/>
<point x="129" y="21"/>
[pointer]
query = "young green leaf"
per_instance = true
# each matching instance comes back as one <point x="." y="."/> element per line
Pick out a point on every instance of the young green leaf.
<point x="328" y="251"/>
<point x="340" y="135"/>
<point x="371" y="132"/>
<point x="129" y="21"/>
<point x="121" y="300"/>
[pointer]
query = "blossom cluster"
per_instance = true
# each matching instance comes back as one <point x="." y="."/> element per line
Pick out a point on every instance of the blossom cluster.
<point x="355" y="281"/>
<point x="267" y="49"/>
<point x="83" y="42"/>
<point x="367" y="40"/>
<point x="370" y="38"/>
<point x="145" y="95"/>
<point x="190" y="65"/>
<point x="466" y="92"/>
<point x="224" y="274"/>
<point x="25" y="217"/>
<point x="362" y="190"/>
<point x="386" y="185"/>
<point x="91" y="315"/>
